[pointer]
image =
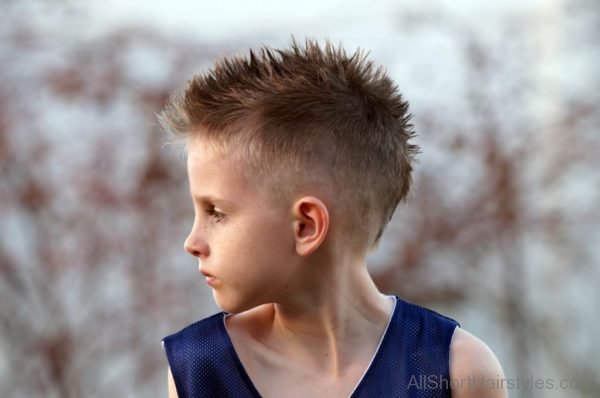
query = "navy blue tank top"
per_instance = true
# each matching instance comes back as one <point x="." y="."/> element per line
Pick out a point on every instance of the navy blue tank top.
<point x="412" y="359"/>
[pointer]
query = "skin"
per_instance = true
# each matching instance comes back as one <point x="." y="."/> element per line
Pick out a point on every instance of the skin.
<point x="303" y="305"/>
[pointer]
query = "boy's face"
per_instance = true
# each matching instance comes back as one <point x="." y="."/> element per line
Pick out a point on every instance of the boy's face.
<point x="244" y="242"/>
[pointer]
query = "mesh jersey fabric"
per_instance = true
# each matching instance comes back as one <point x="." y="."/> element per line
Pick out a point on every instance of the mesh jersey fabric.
<point x="412" y="360"/>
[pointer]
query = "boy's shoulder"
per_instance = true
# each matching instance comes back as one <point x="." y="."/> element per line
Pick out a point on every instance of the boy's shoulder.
<point x="201" y="338"/>
<point x="412" y="311"/>
<point x="213" y="327"/>
<point x="203" y="363"/>
<point x="207" y="324"/>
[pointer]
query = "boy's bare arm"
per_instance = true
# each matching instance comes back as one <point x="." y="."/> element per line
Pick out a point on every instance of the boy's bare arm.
<point x="171" y="385"/>
<point x="474" y="369"/>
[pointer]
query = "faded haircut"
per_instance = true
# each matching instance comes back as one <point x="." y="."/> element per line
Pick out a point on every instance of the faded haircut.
<point x="307" y="119"/>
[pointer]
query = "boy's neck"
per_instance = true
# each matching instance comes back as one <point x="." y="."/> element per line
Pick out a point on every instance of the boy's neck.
<point x="330" y="324"/>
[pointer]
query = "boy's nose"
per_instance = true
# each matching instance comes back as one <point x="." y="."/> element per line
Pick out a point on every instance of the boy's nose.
<point x="196" y="245"/>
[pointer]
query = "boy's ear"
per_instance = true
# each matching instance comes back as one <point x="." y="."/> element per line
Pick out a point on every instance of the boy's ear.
<point x="311" y="223"/>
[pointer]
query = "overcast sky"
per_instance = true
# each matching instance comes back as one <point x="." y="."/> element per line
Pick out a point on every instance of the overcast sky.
<point x="213" y="19"/>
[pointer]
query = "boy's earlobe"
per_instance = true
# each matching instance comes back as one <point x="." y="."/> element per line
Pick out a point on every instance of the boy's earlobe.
<point x="311" y="224"/>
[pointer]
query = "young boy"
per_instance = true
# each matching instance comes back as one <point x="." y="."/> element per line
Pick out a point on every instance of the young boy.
<point x="297" y="159"/>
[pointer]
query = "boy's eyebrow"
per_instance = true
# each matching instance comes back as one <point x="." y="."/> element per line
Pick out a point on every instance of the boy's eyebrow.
<point x="210" y="199"/>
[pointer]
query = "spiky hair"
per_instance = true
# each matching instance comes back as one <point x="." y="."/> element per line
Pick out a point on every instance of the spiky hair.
<point x="308" y="116"/>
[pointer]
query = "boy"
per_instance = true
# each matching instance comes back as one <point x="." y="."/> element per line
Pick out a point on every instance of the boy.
<point x="297" y="159"/>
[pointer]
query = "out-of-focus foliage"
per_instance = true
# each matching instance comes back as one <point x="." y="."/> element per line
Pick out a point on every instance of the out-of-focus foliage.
<point x="504" y="219"/>
<point x="94" y="208"/>
<point x="501" y="230"/>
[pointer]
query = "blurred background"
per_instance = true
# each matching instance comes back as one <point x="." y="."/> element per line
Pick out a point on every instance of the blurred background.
<point x="501" y="231"/>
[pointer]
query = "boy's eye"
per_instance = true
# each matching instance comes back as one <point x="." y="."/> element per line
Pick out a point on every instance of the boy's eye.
<point x="217" y="215"/>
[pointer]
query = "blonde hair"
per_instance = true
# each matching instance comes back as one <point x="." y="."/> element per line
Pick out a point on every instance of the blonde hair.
<point x="307" y="118"/>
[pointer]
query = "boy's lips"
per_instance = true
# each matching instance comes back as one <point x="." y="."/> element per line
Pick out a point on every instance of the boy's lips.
<point x="210" y="280"/>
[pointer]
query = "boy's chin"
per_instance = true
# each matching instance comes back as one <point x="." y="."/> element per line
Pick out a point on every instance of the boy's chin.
<point x="232" y="304"/>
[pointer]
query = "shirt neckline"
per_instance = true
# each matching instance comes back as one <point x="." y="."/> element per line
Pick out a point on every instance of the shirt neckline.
<point x="246" y="378"/>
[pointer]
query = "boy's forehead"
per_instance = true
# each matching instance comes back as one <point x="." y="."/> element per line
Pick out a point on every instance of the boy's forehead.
<point x="204" y="150"/>
<point x="199" y="147"/>
<point x="213" y="174"/>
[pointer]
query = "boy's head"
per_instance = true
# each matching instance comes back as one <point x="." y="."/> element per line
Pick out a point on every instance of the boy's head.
<point x="307" y="120"/>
